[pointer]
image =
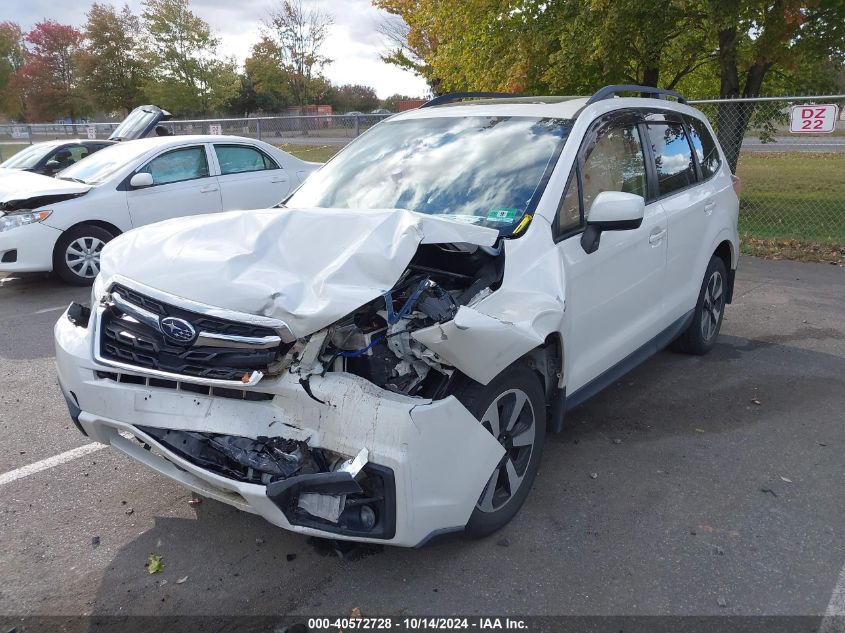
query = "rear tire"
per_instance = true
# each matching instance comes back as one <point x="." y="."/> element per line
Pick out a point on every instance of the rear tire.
<point x="512" y="407"/>
<point x="76" y="258"/>
<point x="700" y="337"/>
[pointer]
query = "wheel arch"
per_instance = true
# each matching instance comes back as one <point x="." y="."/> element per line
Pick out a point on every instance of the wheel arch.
<point x="725" y="252"/>
<point x="106" y="226"/>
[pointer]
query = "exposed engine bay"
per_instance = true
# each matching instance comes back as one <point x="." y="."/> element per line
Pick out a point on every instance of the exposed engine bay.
<point x="375" y="341"/>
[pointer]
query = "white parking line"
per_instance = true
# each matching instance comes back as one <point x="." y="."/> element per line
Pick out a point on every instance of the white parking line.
<point x="55" y="460"/>
<point x="46" y="310"/>
<point x="834" y="616"/>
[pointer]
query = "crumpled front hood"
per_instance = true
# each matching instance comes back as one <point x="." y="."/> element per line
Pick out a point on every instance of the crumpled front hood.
<point x="307" y="267"/>
<point x="18" y="187"/>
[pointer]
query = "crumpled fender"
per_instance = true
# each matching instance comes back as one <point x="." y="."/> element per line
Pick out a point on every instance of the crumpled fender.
<point x="484" y="339"/>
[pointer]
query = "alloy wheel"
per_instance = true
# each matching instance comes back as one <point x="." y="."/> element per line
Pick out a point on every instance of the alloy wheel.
<point x="511" y="420"/>
<point x="714" y="303"/>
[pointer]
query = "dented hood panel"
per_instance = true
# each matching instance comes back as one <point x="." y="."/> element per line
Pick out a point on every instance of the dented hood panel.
<point x="307" y="267"/>
<point x="16" y="187"/>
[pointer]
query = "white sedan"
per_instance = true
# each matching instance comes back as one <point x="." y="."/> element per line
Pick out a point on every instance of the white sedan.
<point x="61" y="224"/>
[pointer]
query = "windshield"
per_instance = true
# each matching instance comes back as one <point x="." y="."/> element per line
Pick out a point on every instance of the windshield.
<point x="483" y="170"/>
<point x="28" y="158"/>
<point x="101" y="165"/>
<point x="134" y="125"/>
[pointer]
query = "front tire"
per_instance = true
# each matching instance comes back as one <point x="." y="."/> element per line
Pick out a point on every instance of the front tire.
<point x="512" y="408"/>
<point x="76" y="258"/>
<point x="700" y="337"/>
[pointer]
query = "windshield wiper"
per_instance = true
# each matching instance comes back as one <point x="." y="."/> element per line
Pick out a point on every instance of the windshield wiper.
<point x="79" y="180"/>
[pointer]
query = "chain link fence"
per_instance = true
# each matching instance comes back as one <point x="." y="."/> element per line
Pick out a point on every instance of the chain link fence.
<point x="793" y="184"/>
<point x="328" y="128"/>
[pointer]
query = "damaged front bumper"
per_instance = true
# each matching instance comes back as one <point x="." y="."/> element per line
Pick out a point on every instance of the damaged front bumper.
<point x="424" y="462"/>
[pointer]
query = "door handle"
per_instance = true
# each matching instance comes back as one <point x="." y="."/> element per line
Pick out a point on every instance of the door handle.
<point x="279" y="180"/>
<point x="709" y="206"/>
<point x="656" y="236"/>
<point x="208" y="189"/>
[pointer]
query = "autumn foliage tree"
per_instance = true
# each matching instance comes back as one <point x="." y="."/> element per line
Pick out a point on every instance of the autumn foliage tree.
<point x="112" y="65"/>
<point x="52" y="88"/>
<point x="189" y="77"/>
<point x="299" y="34"/>
<point x="12" y="57"/>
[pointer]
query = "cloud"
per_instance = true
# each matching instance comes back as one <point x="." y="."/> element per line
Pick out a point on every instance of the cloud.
<point x="354" y="45"/>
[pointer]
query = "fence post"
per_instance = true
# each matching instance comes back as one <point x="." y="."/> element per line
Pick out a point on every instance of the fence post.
<point x="29" y="133"/>
<point x="357" y="126"/>
<point x="258" y="128"/>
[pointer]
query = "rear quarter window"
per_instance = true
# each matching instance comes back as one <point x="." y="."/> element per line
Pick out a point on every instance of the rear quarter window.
<point x="705" y="148"/>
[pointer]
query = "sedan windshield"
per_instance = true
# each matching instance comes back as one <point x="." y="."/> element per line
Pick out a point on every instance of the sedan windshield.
<point x="29" y="157"/>
<point x="482" y="170"/>
<point x="102" y="165"/>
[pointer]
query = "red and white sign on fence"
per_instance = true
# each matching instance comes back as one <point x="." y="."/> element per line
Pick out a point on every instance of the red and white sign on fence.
<point x="813" y="119"/>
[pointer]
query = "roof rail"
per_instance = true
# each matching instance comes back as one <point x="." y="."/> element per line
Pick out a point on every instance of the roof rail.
<point x="608" y="92"/>
<point x="454" y="96"/>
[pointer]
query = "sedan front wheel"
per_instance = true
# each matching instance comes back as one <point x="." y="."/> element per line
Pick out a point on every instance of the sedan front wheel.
<point x="76" y="258"/>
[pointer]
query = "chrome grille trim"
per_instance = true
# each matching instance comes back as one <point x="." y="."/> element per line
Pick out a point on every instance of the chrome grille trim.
<point x="212" y="339"/>
<point x="284" y="332"/>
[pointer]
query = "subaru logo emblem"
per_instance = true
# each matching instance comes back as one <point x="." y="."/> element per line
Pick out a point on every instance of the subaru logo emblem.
<point x="178" y="330"/>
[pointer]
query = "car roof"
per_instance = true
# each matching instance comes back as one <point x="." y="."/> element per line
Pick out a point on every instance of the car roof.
<point x="155" y="142"/>
<point x="541" y="106"/>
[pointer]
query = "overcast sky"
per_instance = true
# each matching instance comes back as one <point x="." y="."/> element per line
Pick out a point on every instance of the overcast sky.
<point x="354" y="45"/>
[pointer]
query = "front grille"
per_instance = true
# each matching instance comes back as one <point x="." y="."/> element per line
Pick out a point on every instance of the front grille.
<point x="127" y="340"/>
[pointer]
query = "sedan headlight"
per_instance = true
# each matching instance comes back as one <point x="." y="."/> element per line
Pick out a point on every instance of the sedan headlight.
<point x="14" y="220"/>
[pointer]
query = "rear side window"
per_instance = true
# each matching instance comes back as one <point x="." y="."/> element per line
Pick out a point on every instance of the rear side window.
<point x="705" y="148"/>
<point x="672" y="157"/>
<point x="236" y="159"/>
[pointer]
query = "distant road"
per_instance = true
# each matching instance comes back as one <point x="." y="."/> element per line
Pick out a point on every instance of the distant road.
<point x="796" y="143"/>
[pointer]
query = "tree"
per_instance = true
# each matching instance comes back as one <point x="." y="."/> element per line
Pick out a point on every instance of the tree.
<point x="412" y="37"/>
<point x="536" y="45"/>
<point x="50" y="72"/>
<point x="755" y="38"/>
<point x="12" y="58"/>
<point x="113" y="63"/>
<point x="299" y="34"/>
<point x="265" y="72"/>
<point x="352" y="97"/>
<point x="188" y="76"/>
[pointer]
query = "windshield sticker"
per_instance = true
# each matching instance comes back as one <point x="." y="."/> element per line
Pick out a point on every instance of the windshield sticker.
<point x="505" y="215"/>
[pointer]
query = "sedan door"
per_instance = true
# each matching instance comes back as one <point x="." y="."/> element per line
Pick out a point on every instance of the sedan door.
<point x="614" y="294"/>
<point x="249" y="178"/>
<point x="182" y="185"/>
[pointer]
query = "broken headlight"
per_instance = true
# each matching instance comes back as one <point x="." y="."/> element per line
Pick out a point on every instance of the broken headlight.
<point x="375" y="342"/>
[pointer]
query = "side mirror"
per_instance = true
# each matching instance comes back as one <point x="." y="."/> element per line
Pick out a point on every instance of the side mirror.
<point x="140" y="180"/>
<point x="612" y="211"/>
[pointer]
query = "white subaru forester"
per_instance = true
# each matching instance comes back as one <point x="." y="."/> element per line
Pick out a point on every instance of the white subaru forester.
<point x="381" y="358"/>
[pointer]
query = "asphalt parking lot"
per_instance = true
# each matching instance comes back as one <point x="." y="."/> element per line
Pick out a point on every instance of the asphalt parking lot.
<point x="694" y="486"/>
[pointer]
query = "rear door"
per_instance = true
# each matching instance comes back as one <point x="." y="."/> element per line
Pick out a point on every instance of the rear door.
<point x="613" y="295"/>
<point x="182" y="185"/>
<point x="688" y="205"/>
<point x="249" y="178"/>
